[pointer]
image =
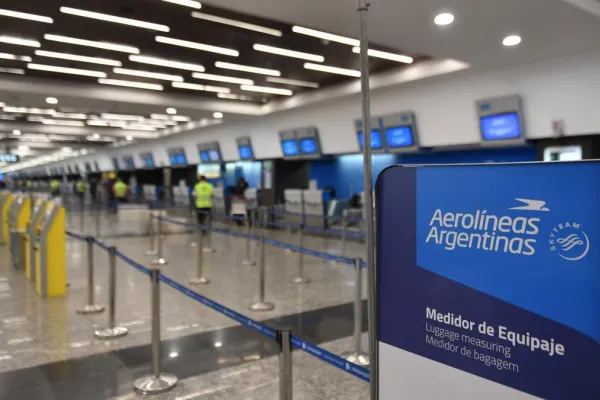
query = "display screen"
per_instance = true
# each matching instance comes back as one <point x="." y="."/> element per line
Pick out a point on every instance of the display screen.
<point x="500" y="126"/>
<point x="148" y="160"/>
<point x="290" y="147"/>
<point x="399" y="136"/>
<point x="115" y="163"/>
<point x="308" y="146"/>
<point x="245" y="152"/>
<point x="204" y="156"/>
<point x="177" y="159"/>
<point x="214" y="156"/>
<point x="375" y="139"/>
<point x="128" y="162"/>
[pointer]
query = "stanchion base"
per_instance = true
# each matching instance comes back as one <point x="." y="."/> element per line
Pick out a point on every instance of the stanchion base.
<point x="264" y="306"/>
<point x="111" y="333"/>
<point x="151" y="253"/>
<point x="155" y="385"/>
<point x="192" y="244"/>
<point x="159" y="261"/>
<point x="361" y="359"/>
<point x="209" y="250"/>
<point x="248" y="263"/>
<point x="301" y="280"/>
<point x="198" y="281"/>
<point x="90" y="309"/>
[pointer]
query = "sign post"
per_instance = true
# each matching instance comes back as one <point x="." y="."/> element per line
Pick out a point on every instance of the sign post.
<point x="488" y="282"/>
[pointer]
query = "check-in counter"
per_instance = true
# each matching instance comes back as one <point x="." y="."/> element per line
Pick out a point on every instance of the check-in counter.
<point x="294" y="206"/>
<point x="314" y="208"/>
<point x="18" y="216"/>
<point x="6" y="199"/>
<point x="149" y="192"/>
<point x="50" y="252"/>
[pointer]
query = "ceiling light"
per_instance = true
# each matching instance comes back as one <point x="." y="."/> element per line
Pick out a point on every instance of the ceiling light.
<point x="292" y="82"/>
<point x="288" y="53"/>
<point x="22" y="15"/>
<point x="222" y="78"/>
<point x="218" y="115"/>
<point x="24" y="148"/>
<point x="385" y="55"/>
<point x="122" y="117"/>
<point x="67" y="149"/>
<point x="167" y="63"/>
<point x="75" y="57"/>
<point x="139" y="128"/>
<point x="7" y="56"/>
<point x="69" y="115"/>
<point x="17" y="71"/>
<point x="51" y="100"/>
<point x="245" y="68"/>
<point x="204" y="88"/>
<point x="16" y="132"/>
<point x="512" y="40"/>
<point x="264" y="89"/>
<point x="129" y="137"/>
<point x="187" y="3"/>
<point x="137" y="85"/>
<point x="171" y="111"/>
<point x="173" y="354"/>
<point x="198" y="46"/>
<point x="326" y="36"/>
<point x="19" y="41"/>
<point x="444" y="19"/>
<point x="92" y="43"/>
<point x="146" y="74"/>
<point x="96" y="136"/>
<point x="234" y="96"/>
<point x="64" y="70"/>
<point x="332" y="70"/>
<point x="218" y="344"/>
<point x="83" y="151"/>
<point x="25" y="110"/>
<point x="112" y="18"/>
<point x="62" y="123"/>
<point x="169" y="117"/>
<point x="238" y="24"/>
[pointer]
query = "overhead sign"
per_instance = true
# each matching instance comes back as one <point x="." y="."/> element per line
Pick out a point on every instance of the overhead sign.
<point x="9" y="158"/>
<point x="488" y="282"/>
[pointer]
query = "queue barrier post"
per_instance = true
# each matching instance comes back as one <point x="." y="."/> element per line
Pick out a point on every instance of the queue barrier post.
<point x="289" y="235"/>
<point x="97" y="221"/>
<point x="81" y="219"/>
<point x="344" y="231"/>
<point x="159" y="259"/>
<point x="200" y="278"/>
<point x="284" y="339"/>
<point x="300" y="279"/>
<point x="191" y="221"/>
<point x="151" y="234"/>
<point x="91" y="307"/>
<point x="357" y="356"/>
<point x="112" y="331"/>
<point x="209" y="248"/>
<point x="157" y="382"/>
<point x="248" y="260"/>
<point x="262" y="305"/>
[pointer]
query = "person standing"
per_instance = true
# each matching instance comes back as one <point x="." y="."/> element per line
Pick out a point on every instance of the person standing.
<point x="55" y="187"/>
<point x="81" y="187"/>
<point x="120" y="188"/>
<point x="93" y="189"/>
<point x="203" y="193"/>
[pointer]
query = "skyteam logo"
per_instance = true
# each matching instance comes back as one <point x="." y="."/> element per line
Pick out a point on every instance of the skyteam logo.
<point x="569" y="241"/>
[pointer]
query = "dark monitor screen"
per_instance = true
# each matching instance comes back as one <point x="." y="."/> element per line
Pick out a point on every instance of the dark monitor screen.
<point x="115" y="163"/>
<point x="500" y="126"/>
<point x="290" y="147"/>
<point x="375" y="139"/>
<point x="245" y="152"/>
<point x="399" y="136"/>
<point x="204" y="156"/>
<point x="214" y="156"/>
<point x="309" y="146"/>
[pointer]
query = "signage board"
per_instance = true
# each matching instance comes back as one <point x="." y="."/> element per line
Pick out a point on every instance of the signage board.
<point x="488" y="282"/>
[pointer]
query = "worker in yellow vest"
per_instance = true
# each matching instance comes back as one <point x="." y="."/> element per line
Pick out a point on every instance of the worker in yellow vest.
<point x="120" y="189"/>
<point x="81" y="187"/>
<point x="55" y="187"/>
<point x="203" y="193"/>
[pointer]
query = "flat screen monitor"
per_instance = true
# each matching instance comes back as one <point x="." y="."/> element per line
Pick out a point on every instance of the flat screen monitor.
<point x="500" y="126"/>
<point x="290" y="147"/>
<point x="309" y="146"/>
<point x="214" y="156"/>
<point x="115" y="162"/>
<point x="180" y="159"/>
<point x="245" y="152"/>
<point x="128" y="162"/>
<point x="204" y="156"/>
<point x="148" y="160"/>
<point x="399" y="136"/>
<point x="376" y="143"/>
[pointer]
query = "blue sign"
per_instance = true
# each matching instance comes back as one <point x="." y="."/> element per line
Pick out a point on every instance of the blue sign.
<point x="290" y="147"/>
<point x="149" y="161"/>
<point x="308" y="146"/>
<point x="245" y="152"/>
<point x="214" y="156"/>
<point x="489" y="281"/>
<point x="399" y="136"/>
<point x="500" y="126"/>
<point x="204" y="156"/>
<point x="375" y="139"/>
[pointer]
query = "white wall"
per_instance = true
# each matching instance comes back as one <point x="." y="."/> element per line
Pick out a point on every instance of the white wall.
<point x="445" y="108"/>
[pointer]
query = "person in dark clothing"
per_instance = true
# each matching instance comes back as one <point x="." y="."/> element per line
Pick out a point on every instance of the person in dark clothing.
<point x="237" y="193"/>
<point x="93" y="189"/>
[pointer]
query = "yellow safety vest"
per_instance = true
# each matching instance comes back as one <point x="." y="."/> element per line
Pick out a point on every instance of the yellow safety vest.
<point x="120" y="189"/>
<point x="55" y="185"/>
<point x="204" y="192"/>
<point x="81" y="186"/>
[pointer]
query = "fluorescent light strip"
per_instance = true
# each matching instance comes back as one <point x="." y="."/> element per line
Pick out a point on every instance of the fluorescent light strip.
<point x="288" y="53"/>
<point x="25" y="110"/>
<point x="326" y="36"/>
<point x="187" y="3"/>
<point x="117" y="20"/>
<point x="180" y="118"/>
<point x="122" y="117"/>
<point x="64" y="70"/>
<point x="222" y="78"/>
<point x="17" y="71"/>
<point x="92" y="43"/>
<point x="22" y="15"/>
<point x="7" y="56"/>
<point x="237" y="24"/>
<point x="167" y="63"/>
<point x="293" y="82"/>
<point x="193" y="86"/>
<point x="386" y="55"/>
<point x="264" y="89"/>
<point x="245" y="68"/>
<point x="133" y="84"/>
<point x="62" y="123"/>
<point x="332" y="70"/>
<point x="69" y="115"/>
<point x="19" y="41"/>
<point x="146" y="74"/>
<point x="198" y="46"/>
<point x="139" y="128"/>
<point x="75" y="57"/>
<point x="234" y="96"/>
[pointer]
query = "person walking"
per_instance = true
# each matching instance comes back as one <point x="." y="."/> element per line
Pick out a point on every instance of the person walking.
<point x="203" y="193"/>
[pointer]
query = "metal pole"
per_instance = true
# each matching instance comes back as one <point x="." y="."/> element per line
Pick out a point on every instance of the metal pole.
<point x="262" y="305"/>
<point x="209" y="248"/>
<point x="344" y="231"/>
<point x="81" y="219"/>
<point x="97" y="220"/>
<point x="91" y="307"/>
<point x="191" y="221"/>
<point x="289" y="234"/>
<point x="156" y="382"/>
<point x="363" y="9"/>
<point x="159" y="260"/>
<point x="284" y="337"/>
<point x="200" y="278"/>
<point x="357" y="356"/>
<point x="151" y="235"/>
<point x="112" y="331"/>
<point x="300" y="279"/>
<point x="248" y="261"/>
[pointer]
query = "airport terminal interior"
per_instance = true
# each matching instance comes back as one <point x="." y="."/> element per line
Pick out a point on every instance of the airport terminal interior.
<point x="184" y="208"/>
